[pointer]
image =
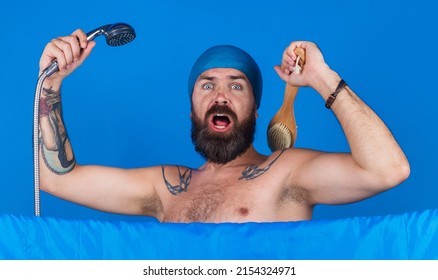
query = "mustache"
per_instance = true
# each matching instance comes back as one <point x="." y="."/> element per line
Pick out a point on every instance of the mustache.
<point x="221" y="109"/>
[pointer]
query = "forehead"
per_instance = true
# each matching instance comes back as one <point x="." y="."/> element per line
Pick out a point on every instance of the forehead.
<point x="223" y="73"/>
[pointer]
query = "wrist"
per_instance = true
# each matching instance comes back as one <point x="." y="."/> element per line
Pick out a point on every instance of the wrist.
<point x="332" y="97"/>
<point x="49" y="97"/>
<point x="53" y="84"/>
<point x="325" y="82"/>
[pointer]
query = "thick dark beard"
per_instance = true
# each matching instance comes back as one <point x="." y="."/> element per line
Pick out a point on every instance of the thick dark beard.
<point x="222" y="148"/>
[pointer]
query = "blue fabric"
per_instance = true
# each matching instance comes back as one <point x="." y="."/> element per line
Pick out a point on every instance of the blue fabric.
<point x="408" y="236"/>
<point x="227" y="56"/>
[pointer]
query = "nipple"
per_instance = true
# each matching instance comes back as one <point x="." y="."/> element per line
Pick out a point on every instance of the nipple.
<point x="243" y="211"/>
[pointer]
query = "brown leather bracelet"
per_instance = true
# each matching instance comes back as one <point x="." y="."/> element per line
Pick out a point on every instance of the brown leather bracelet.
<point x="342" y="84"/>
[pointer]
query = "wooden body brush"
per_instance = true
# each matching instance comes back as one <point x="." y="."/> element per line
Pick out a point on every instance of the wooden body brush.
<point x="282" y="130"/>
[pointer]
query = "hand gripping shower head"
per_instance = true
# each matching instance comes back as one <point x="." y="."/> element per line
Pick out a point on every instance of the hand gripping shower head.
<point x="117" y="34"/>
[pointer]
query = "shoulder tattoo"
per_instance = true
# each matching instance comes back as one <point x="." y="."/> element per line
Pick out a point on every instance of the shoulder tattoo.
<point x="253" y="171"/>
<point x="184" y="181"/>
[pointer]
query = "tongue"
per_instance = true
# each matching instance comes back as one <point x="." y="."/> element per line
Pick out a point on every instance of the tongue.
<point x="220" y="122"/>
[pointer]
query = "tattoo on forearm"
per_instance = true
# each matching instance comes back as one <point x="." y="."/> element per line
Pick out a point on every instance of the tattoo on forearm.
<point x="253" y="171"/>
<point x="184" y="181"/>
<point x="56" y="149"/>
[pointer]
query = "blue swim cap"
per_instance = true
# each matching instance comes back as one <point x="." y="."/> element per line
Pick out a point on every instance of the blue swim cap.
<point x="226" y="56"/>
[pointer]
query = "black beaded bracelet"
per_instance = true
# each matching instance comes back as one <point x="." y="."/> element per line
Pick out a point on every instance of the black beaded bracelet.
<point x="342" y="84"/>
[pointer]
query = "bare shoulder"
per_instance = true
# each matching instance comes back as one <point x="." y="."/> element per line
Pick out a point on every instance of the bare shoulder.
<point x="293" y="158"/>
<point x="281" y="163"/>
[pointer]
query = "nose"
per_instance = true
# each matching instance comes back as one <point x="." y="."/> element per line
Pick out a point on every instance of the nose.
<point x="221" y="98"/>
<point x="221" y="101"/>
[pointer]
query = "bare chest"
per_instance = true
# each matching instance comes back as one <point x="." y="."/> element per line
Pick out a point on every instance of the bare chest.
<point x="218" y="200"/>
<point x="254" y="193"/>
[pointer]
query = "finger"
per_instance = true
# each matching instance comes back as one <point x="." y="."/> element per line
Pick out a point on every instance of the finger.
<point x="55" y="52"/>
<point x="287" y="60"/>
<point x="74" y="47"/>
<point x="291" y="51"/>
<point x="67" y="45"/>
<point x="82" y="37"/>
<point x="86" y="52"/>
<point x="47" y="57"/>
<point x="81" y="48"/>
<point x="86" y="46"/>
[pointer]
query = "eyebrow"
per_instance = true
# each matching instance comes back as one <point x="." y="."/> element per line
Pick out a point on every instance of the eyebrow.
<point x="231" y="77"/>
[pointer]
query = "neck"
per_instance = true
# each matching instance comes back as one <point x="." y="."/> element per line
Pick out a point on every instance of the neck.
<point x="249" y="157"/>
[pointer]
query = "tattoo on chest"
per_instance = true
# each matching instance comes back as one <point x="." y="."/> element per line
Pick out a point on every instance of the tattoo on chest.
<point x="250" y="173"/>
<point x="253" y="171"/>
<point x="184" y="181"/>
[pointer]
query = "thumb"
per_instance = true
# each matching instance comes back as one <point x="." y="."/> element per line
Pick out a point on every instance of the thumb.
<point x="281" y="73"/>
<point x="291" y="78"/>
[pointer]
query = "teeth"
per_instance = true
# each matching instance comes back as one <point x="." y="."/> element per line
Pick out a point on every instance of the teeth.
<point x="217" y="126"/>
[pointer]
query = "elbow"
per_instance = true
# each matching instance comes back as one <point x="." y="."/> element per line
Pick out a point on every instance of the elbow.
<point x="47" y="185"/>
<point x="51" y="182"/>
<point x="396" y="174"/>
<point x="405" y="171"/>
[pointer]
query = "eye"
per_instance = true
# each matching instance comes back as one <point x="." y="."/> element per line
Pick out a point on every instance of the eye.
<point x="236" y="87"/>
<point x="207" y="86"/>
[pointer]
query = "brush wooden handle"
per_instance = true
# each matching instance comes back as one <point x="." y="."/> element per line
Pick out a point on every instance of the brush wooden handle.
<point x="285" y="115"/>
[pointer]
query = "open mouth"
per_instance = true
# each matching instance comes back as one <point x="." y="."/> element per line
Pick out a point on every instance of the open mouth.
<point x="220" y="122"/>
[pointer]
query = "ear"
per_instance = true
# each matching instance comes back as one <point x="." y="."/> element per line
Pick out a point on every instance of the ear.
<point x="191" y="115"/>
<point x="256" y="114"/>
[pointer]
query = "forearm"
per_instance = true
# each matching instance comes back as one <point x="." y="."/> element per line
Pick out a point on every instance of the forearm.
<point x="372" y="145"/>
<point x="55" y="148"/>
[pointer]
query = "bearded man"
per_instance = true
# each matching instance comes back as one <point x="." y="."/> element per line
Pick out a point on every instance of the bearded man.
<point x="236" y="183"/>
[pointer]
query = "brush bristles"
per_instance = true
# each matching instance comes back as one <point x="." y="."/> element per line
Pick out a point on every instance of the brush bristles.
<point x="279" y="137"/>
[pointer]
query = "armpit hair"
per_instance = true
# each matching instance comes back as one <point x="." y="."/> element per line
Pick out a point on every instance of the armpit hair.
<point x="294" y="194"/>
<point x="153" y="206"/>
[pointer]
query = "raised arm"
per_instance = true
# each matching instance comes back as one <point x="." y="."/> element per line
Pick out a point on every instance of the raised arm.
<point x="103" y="188"/>
<point x="376" y="162"/>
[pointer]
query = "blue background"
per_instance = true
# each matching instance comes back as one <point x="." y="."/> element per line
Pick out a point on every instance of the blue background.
<point x="129" y="107"/>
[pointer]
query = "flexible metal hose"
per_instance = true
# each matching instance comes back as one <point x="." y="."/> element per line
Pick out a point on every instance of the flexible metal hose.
<point x="36" y="165"/>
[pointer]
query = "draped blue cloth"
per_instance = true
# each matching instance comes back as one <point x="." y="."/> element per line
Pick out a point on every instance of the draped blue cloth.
<point x="411" y="235"/>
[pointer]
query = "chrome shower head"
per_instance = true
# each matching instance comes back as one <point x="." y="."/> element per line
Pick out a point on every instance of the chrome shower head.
<point x="117" y="34"/>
